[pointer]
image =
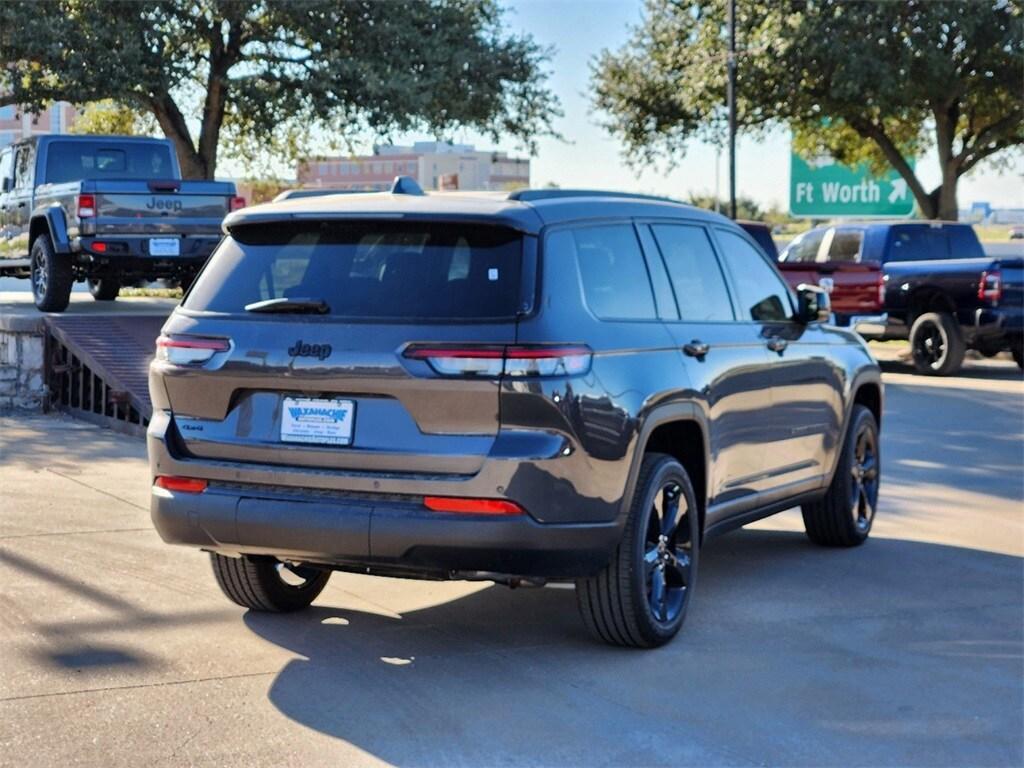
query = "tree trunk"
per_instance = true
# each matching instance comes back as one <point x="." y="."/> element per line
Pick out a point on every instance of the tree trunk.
<point x="172" y="122"/>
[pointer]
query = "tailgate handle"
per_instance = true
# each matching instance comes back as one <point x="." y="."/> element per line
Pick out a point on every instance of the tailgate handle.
<point x="170" y="185"/>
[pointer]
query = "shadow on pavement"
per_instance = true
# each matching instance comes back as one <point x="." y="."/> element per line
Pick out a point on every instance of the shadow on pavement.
<point x="948" y="435"/>
<point x="917" y="646"/>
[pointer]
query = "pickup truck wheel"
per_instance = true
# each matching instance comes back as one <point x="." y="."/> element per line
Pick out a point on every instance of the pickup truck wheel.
<point x="844" y="516"/>
<point x="936" y="344"/>
<point x="51" y="276"/>
<point x="640" y="598"/>
<point x="105" y="288"/>
<point x="266" y="584"/>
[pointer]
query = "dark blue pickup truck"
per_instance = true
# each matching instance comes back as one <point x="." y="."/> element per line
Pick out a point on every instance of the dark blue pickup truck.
<point x="111" y="210"/>
<point x="929" y="282"/>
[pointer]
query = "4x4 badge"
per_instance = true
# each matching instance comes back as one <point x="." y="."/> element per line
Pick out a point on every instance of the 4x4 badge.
<point x="301" y="349"/>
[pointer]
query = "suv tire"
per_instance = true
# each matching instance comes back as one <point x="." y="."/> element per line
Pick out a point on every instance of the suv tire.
<point x="640" y="598"/>
<point x="936" y="344"/>
<point x="257" y="583"/>
<point x="51" y="276"/>
<point x="844" y="516"/>
<point x="105" y="288"/>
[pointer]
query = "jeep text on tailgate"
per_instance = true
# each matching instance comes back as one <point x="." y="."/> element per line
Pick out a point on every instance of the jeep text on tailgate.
<point x="111" y="210"/>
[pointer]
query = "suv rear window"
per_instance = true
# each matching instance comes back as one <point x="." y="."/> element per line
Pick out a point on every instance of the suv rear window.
<point x="74" y="160"/>
<point x="368" y="270"/>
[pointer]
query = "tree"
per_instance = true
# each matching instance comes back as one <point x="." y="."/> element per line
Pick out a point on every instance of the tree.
<point x="746" y="207"/>
<point x="111" y="119"/>
<point x="256" y="68"/>
<point x="875" y="81"/>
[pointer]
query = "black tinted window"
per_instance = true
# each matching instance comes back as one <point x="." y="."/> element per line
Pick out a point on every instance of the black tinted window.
<point x="368" y="271"/>
<point x="963" y="242"/>
<point x="615" y="280"/>
<point x="762" y="294"/>
<point x="70" y="161"/>
<point x="918" y="243"/>
<point x="696" y="276"/>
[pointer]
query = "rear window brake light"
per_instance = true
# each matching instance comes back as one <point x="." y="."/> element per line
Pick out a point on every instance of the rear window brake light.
<point x="496" y="360"/>
<point x="189" y="350"/>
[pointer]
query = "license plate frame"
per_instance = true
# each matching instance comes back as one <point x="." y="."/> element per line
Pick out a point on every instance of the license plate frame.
<point x="317" y="421"/>
<point x="164" y="246"/>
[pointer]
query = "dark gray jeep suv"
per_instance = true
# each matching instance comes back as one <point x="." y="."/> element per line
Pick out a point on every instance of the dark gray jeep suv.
<point x="543" y="385"/>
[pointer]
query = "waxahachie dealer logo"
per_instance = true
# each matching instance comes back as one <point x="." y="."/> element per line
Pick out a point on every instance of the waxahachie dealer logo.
<point x="301" y="349"/>
<point x="303" y="413"/>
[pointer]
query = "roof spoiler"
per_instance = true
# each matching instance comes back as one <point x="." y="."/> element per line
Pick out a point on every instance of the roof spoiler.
<point x="405" y="185"/>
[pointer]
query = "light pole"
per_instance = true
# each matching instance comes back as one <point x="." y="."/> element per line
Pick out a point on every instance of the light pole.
<point x="731" y="99"/>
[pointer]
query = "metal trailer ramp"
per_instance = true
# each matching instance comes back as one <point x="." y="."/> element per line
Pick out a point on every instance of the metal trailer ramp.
<point x="97" y="368"/>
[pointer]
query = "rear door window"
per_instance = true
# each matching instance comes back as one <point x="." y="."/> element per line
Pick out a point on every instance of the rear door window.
<point x="918" y="243"/>
<point x="845" y="245"/>
<point x="615" y="280"/>
<point x="762" y="295"/>
<point x="401" y="271"/>
<point x="696" y="276"/>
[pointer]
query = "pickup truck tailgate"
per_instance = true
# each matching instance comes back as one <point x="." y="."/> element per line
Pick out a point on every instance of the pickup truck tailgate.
<point x="853" y="286"/>
<point x="182" y="208"/>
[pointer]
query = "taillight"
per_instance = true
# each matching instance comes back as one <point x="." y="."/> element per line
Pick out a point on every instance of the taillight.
<point x="189" y="350"/>
<point x="180" y="484"/>
<point x="86" y="206"/>
<point x="881" y="289"/>
<point x="990" y="287"/>
<point x="237" y="202"/>
<point x="494" y="360"/>
<point x="464" y="506"/>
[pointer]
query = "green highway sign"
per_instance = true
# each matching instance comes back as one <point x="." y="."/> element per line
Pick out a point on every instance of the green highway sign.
<point x="822" y="187"/>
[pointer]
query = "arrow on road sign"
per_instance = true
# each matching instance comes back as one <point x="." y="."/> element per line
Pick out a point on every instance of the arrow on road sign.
<point x="899" y="190"/>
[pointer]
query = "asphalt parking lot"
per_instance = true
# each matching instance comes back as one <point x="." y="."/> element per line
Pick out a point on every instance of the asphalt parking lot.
<point x="118" y="650"/>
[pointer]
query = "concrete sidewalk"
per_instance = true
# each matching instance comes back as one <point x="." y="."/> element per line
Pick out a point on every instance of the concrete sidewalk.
<point x="119" y="650"/>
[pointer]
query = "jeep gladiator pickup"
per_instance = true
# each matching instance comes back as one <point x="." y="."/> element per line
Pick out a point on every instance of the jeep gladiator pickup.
<point x="110" y="210"/>
<point x="928" y="282"/>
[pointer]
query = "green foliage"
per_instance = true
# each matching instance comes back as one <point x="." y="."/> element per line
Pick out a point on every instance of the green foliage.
<point x="867" y="80"/>
<point x="111" y="119"/>
<point x="279" y="73"/>
<point x="746" y="207"/>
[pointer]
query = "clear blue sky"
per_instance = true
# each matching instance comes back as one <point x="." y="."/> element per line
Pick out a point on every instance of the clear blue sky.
<point x="579" y="30"/>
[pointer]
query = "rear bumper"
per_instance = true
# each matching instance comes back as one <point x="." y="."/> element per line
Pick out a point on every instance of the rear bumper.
<point x="376" y="521"/>
<point x="384" y="535"/>
<point x="130" y="254"/>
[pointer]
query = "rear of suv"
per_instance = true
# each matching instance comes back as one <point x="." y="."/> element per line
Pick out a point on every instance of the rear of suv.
<point x="546" y="385"/>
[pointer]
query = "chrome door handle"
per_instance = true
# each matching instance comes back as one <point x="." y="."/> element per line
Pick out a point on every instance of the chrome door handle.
<point x="696" y="348"/>
<point x="775" y="344"/>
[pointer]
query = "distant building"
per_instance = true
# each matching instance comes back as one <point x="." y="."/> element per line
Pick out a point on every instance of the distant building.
<point x="16" y="124"/>
<point x="434" y="165"/>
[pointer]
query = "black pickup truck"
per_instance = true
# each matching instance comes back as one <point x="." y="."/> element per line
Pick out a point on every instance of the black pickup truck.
<point x="929" y="282"/>
<point x="111" y="210"/>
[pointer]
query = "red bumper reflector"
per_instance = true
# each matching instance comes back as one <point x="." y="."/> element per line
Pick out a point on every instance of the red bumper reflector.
<point x="99" y="246"/>
<point x="181" y="484"/>
<point x="472" y="506"/>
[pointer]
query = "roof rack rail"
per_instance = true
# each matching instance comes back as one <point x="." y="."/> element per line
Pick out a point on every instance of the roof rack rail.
<point x="405" y="185"/>
<point x="529" y="195"/>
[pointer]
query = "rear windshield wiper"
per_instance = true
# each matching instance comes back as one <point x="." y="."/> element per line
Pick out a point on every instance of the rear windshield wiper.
<point x="290" y="306"/>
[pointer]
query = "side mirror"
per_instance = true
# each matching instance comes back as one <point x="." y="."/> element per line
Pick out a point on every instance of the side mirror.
<point x="814" y="304"/>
